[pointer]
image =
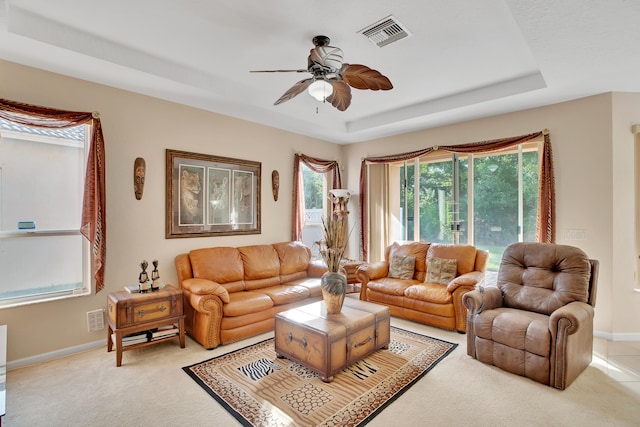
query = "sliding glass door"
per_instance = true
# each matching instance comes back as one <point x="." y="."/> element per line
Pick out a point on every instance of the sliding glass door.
<point x="487" y="200"/>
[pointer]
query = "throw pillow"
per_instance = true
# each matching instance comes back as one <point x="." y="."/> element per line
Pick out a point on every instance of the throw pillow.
<point x="441" y="270"/>
<point x="402" y="267"/>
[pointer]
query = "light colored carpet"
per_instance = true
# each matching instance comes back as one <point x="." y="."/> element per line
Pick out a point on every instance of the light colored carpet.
<point x="264" y="390"/>
<point x="151" y="389"/>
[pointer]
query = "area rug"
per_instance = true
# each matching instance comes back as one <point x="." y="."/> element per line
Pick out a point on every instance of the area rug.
<point x="259" y="389"/>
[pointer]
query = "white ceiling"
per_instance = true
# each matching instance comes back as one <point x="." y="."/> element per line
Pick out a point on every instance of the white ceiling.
<point x="464" y="59"/>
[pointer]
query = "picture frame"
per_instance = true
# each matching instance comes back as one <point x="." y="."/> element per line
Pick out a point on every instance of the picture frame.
<point x="209" y="195"/>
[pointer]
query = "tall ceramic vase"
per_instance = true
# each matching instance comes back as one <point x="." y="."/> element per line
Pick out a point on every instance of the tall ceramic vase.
<point x="334" y="288"/>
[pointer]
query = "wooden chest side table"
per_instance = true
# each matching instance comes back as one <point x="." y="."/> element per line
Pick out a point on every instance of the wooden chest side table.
<point x="130" y="313"/>
<point x="350" y="266"/>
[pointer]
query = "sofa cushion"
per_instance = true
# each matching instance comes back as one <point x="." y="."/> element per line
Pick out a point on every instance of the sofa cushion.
<point x="246" y="302"/>
<point x="261" y="264"/>
<point x="252" y="285"/>
<point x="311" y="283"/>
<point x="221" y="264"/>
<point x="441" y="270"/>
<point x="287" y="278"/>
<point x="465" y="255"/>
<point x="416" y="249"/>
<point x="518" y="329"/>
<point x="429" y="292"/>
<point x="388" y="285"/>
<point x="294" y="257"/>
<point x="441" y="314"/>
<point x="387" y="299"/>
<point x="543" y="277"/>
<point x="402" y="267"/>
<point x="284" y="294"/>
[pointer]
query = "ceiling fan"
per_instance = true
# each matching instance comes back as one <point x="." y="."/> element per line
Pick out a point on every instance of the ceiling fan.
<point x="332" y="79"/>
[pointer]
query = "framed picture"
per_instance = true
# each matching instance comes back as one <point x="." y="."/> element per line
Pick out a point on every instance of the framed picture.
<point x="211" y="195"/>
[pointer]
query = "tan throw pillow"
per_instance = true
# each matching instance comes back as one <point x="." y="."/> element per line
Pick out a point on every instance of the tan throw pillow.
<point x="402" y="267"/>
<point x="441" y="270"/>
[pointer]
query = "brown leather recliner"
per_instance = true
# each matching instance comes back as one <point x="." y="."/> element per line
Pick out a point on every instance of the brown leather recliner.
<point x="538" y="321"/>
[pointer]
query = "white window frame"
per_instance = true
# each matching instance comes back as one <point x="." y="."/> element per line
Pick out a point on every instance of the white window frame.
<point x="87" y="288"/>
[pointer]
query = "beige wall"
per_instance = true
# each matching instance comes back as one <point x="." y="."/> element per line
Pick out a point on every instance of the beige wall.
<point x="136" y="125"/>
<point x="591" y="139"/>
<point x="593" y="159"/>
<point x="624" y="257"/>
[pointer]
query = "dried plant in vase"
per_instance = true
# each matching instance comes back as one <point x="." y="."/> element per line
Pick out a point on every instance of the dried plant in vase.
<point x="332" y="248"/>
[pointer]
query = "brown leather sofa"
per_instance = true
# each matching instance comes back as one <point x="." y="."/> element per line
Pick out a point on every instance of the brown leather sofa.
<point x="234" y="293"/>
<point x="435" y="304"/>
<point x="538" y="321"/>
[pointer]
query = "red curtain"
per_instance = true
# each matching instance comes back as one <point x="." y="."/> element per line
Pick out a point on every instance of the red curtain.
<point x="545" y="229"/>
<point x="94" y="225"/>
<point x="318" y="166"/>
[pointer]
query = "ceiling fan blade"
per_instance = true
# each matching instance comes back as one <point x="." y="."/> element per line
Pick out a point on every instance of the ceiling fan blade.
<point x="328" y="56"/>
<point x="279" y="71"/>
<point x="341" y="95"/>
<point x="362" y="77"/>
<point x="295" y="90"/>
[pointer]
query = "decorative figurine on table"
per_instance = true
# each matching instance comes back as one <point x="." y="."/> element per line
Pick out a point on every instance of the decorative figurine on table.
<point x="155" y="275"/>
<point x="143" y="278"/>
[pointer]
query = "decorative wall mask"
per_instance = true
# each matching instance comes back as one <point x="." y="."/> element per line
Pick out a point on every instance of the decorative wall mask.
<point x="275" y="184"/>
<point x="139" y="171"/>
<point x="143" y="278"/>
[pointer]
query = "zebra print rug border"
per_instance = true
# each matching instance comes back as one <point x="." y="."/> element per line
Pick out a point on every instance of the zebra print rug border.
<point x="260" y="390"/>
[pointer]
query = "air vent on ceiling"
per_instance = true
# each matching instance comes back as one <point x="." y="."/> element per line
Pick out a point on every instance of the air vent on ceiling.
<point x="385" y="31"/>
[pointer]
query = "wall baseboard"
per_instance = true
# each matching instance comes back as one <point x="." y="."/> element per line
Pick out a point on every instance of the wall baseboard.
<point x="45" y="357"/>
<point x="617" y="336"/>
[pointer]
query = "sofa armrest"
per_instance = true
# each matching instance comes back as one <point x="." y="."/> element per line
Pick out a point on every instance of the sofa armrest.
<point x="571" y="329"/>
<point x="376" y="270"/>
<point x="317" y="268"/>
<point x="367" y="272"/>
<point x="203" y="318"/>
<point x="206" y="287"/>
<point x="486" y="298"/>
<point x="470" y="279"/>
<point x="576" y="314"/>
<point x="183" y="267"/>
<point x="458" y="288"/>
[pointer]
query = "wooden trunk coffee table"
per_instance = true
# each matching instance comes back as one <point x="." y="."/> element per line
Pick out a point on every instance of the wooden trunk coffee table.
<point x="328" y="343"/>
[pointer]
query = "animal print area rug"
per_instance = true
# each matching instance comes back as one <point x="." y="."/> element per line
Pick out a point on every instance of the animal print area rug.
<point x="259" y="389"/>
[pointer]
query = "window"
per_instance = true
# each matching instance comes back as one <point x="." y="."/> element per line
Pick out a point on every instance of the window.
<point x="43" y="256"/>
<point x="314" y="206"/>
<point x="488" y="200"/>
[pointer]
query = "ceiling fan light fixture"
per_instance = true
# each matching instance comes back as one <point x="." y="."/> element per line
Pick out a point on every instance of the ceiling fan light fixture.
<point x="320" y="89"/>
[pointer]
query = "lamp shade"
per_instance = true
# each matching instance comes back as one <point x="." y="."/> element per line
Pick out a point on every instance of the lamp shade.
<point x="340" y="193"/>
<point x="320" y="89"/>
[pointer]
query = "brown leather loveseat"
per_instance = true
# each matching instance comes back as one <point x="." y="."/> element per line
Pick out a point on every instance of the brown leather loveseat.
<point x="234" y="293"/>
<point x="424" y="293"/>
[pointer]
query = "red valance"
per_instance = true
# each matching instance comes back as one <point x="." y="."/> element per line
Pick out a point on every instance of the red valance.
<point x="545" y="228"/>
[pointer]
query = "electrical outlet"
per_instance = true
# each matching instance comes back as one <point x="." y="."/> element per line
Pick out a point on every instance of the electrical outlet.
<point x="95" y="320"/>
<point x="575" y="234"/>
